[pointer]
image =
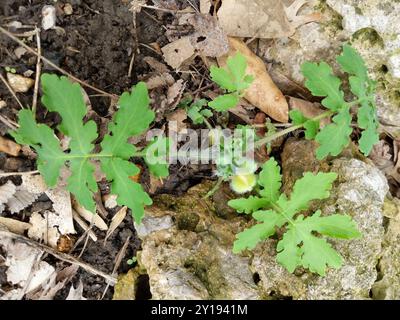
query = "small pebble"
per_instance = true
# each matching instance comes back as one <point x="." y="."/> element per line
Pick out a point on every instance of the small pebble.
<point x="2" y="104"/>
<point x="68" y="9"/>
<point x="48" y="17"/>
<point x="19" y="83"/>
<point x="19" y="52"/>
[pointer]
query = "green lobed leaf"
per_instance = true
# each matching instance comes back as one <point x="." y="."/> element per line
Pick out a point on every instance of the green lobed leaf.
<point x="224" y="102"/>
<point x="64" y="97"/>
<point x="248" y="205"/>
<point x="271" y="180"/>
<point x="309" y="187"/>
<point x="223" y="78"/>
<point x="133" y="118"/>
<point x="334" y="137"/>
<point x="322" y="83"/>
<point x="297" y="117"/>
<point x="130" y="193"/>
<point x="39" y="136"/>
<point x="352" y="63"/>
<point x="311" y="129"/>
<point x="233" y="78"/>
<point x="299" y="246"/>
<point x="156" y="157"/>
<point x="249" y="238"/>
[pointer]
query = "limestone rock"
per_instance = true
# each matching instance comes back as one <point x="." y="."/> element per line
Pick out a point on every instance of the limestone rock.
<point x="371" y="26"/>
<point x="187" y="243"/>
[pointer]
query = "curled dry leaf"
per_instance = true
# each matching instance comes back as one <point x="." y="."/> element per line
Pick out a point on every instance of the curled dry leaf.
<point x="33" y="186"/>
<point x="89" y="216"/>
<point x="15" y="226"/>
<point x="263" y="93"/>
<point x="116" y="221"/>
<point x="21" y="200"/>
<point x="10" y="147"/>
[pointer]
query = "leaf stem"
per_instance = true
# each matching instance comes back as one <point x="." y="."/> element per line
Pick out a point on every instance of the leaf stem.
<point x="274" y="136"/>
<point x="214" y="189"/>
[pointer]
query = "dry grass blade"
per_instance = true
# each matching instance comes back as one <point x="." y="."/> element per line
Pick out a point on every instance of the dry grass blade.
<point x="115" y="222"/>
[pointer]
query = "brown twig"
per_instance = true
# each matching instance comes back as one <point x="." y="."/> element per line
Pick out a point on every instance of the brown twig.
<point x="7" y="174"/>
<point x="11" y="36"/>
<point x="38" y="71"/>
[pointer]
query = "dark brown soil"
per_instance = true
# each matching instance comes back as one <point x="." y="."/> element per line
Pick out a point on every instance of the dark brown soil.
<point x="95" y="44"/>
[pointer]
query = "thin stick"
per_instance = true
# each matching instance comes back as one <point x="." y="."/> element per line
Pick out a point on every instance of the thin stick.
<point x="274" y="136"/>
<point x="11" y="91"/>
<point x="136" y="49"/>
<point x="9" y="123"/>
<point x="38" y="71"/>
<point x="7" y="174"/>
<point x="11" y="36"/>
<point x="118" y="260"/>
<point x="60" y="255"/>
<point x="214" y="189"/>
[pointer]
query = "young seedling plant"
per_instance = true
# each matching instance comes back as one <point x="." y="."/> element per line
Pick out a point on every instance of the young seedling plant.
<point x="302" y="244"/>
<point x="231" y="165"/>
<point x="132" y="119"/>
<point x="299" y="246"/>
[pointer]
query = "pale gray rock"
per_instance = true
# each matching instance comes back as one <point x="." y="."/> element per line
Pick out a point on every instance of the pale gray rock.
<point x="371" y="26"/>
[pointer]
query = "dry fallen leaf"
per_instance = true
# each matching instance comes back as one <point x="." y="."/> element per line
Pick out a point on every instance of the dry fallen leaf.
<point x="7" y="190"/>
<point x="115" y="222"/>
<point x="21" y="200"/>
<point x="55" y="283"/>
<point x="162" y="80"/>
<point x="15" y="226"/>
<point x="9" y="147"/>
<point x="89" y="216"/>
<point x="83" y="225"/>
<point x="174" y="94"/>
<point x="205" y="6"/>
<point x="263" y="93"/>
<point x="177" y="52"/>
<point x="265" y="19"/>
<point x="76" y="294"/>
<point x="43" y="230"/>
<point x="208" y="39"/>
<point x="22" y="263"/>
<point x="156" y="65"/>
<point x="257" y="18"/>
